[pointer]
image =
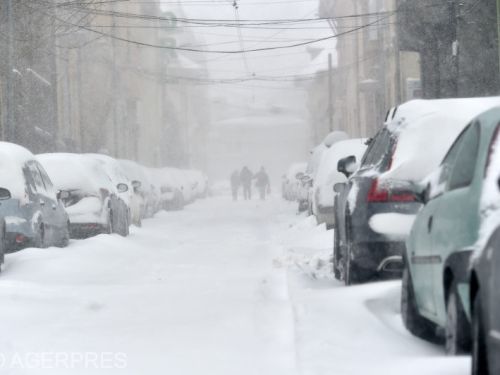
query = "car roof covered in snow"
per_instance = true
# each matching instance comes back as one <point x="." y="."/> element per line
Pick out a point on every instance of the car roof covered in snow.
<point x="12" y="159"/>
<point x="426" y="129"/>
<point x="76" y="172"/>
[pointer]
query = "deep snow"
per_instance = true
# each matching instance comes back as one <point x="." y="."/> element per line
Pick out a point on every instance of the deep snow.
<point x="219" y="288"/>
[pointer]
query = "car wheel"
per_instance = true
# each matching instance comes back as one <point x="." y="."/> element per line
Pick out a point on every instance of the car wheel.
<point x="110" y="228"/>
<point x="351" y="272"/>
<point x="40" y="236"/>
<point x="336" y="257"/>
<point x="412" y="320"/>
<point x="479" y="350"/>
<point x="457" y="327"/>
<point x="65" y="238"/>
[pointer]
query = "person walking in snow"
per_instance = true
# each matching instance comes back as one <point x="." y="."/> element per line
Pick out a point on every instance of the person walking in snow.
<point x="262" y="183"/>
<point x="235" y="184"/>
<point x="246" y="181"/>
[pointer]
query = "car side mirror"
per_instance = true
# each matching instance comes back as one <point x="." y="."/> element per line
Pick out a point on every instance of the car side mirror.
<point x="5" y="194"/>
<point x="339" y="187"/>
<point x="347" y="166"/>
<point x="122" y="188"/>
<point x="62" y="195"/>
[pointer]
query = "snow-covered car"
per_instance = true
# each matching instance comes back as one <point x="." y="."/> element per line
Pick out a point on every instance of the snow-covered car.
<point x="328" y="175"/>
<point x="292" y="181"/>
<point x="376" y="209"/>
<point x="170" y="193"/>
<point x="92" y="200"/>
<point x="115" y="171"/>
<point x="141" y="184"/>
<point x="29" y="203"/>
<point x="461" y="204"/>
<point x="305" y="188"/>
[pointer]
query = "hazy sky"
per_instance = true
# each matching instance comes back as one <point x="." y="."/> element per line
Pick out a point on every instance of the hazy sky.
<point x="277" y="63"/>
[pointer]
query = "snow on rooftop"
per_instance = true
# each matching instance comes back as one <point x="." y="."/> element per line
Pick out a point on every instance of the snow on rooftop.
<point x="320" y="63"/>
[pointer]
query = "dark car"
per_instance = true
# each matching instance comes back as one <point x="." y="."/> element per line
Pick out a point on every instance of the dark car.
<point x="92" y="200"/>
<point x="360" y="253"/>
<point x="29" y="204"/>
<point x="375" y="210"/>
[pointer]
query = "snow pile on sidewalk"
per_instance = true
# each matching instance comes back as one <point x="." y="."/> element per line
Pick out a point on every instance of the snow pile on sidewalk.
<point x="307" y="249"/>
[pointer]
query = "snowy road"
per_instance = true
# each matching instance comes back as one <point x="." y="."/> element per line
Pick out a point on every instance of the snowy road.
<point x="219" y="288"/>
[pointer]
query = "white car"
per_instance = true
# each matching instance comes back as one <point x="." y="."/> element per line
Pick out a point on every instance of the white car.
<point x="92" y="200"/>
<point x="328" y="175"/>
<point x="292" y="181"/>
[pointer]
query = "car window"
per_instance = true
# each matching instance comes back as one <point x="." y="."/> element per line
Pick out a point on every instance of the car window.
<point x="463" y="169"/>
<point x="37" y="178"/>
<point x="378" y="150"/>
<point x="30" y="183"/>
<point x="449" y="159"/>
<point x="46" y="179"/>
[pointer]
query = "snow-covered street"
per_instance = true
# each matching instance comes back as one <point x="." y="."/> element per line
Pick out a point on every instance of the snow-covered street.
<point x="218" y="288"/>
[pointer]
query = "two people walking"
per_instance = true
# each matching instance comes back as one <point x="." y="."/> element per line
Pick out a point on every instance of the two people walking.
<point x="245" y="178"/>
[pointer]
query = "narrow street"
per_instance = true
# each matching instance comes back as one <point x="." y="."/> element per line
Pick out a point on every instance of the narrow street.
<point x="250" y="293"/>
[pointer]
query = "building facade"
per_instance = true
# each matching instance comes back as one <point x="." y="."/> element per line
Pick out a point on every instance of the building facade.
<point x="373" y="74"/>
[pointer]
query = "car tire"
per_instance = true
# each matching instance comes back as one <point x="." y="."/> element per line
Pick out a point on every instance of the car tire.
<point x="457" y="329"/>
<point x="40" y="237"/>
<point x="412" y="320"/>
<point x="479" y="348"/>
<point x="110" y="228"/>
<point x="336" y="248"/>
<point x="351" y="271"/>
<point x="65" y="238"/>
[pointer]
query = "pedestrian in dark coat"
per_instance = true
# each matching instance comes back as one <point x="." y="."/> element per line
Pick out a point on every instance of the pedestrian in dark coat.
<point x="246" y="181"/>
<point x="262" y="183"/>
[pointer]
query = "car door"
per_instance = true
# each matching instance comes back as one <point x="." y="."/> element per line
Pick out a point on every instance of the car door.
<point x="456" y="223"/>
<point x="493" y="295"/>
<point x="58" y="215"/>
<point x="46" y="203"/>
<point x="420" y="245"/>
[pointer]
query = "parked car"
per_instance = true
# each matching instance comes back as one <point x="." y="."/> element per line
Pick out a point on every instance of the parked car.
<point x="305" y="188"/>
<point x="118" y="176"/>
<point x="436" y="277"/>
<point x="30" y="207"/>
<point x="92" y="201"/>
<point x="170" y="189"/>
<point x="292" y="180"/>
<point x="141" y="185"/>
<point x="375" y="210"/>
<point x="485" y="306"/>
<point x="328" y="175"/>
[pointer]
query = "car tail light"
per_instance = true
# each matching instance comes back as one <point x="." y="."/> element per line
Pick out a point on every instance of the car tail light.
<point x="377" y="194"/>
<point x="381" y="194"/>
<point x="20" y="238"/>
